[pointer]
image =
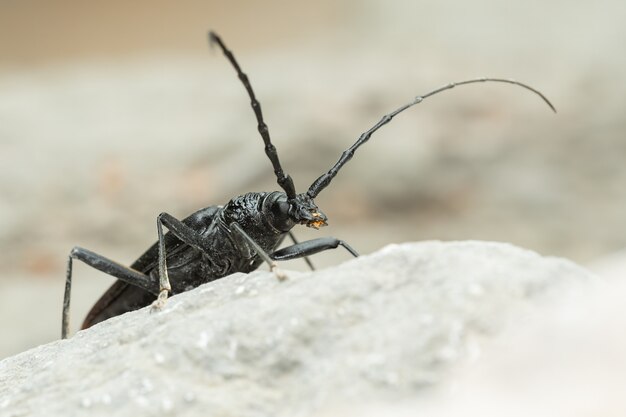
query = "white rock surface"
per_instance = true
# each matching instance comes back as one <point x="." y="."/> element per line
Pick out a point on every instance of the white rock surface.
<point x="378" y="329"/>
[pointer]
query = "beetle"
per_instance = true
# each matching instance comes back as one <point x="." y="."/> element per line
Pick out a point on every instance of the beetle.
<point x="217" y="241"/>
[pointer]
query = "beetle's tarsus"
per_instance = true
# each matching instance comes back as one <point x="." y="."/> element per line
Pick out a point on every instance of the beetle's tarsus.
<point x="160" y="302"/>
<point x="280" y="275"/>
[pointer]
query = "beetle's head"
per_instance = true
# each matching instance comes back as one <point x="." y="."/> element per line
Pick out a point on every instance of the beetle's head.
<point x="299" y="210"/>
<point x="304" y="211"/>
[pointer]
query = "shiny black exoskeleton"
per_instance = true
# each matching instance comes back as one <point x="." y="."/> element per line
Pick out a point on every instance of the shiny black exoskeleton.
<point x="213" y="250"/>
<point x="217" y="241"/>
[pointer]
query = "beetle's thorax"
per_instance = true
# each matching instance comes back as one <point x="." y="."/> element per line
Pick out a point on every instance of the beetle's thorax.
<point x="273" y="211"/>
<point x="246" y="210"/>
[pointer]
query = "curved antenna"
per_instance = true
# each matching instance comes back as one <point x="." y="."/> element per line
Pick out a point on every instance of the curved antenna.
<point x="285" y="181"/>
<point x="325" y="179"/>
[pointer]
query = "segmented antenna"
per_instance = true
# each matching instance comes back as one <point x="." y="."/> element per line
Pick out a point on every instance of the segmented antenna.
<point x="325" y="179"/>
<point x="285" y="181"/>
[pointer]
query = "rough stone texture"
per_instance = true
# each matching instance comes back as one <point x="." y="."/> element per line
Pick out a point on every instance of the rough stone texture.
<point x="380" y="328"/>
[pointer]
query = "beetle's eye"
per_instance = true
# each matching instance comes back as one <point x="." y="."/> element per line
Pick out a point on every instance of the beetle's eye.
<point x="280" y="215"/>
<point x="281" y="209"/>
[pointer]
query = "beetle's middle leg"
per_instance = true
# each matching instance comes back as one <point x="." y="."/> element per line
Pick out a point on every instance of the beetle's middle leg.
<point x="187" y="235"/>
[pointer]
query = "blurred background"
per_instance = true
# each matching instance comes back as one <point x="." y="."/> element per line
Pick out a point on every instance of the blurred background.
<point x="112" y="112"/>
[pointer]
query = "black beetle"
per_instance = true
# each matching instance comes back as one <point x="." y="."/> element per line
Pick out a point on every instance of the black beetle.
<point x="217" y="241"/>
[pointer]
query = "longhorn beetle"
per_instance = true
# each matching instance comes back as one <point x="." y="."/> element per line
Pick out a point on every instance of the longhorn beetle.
<point x="217" y="241"/>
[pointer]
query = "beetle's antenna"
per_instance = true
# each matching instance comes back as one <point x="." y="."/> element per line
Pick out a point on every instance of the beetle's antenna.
<point x="325" y="179"/>
<point x="285" y="181"/>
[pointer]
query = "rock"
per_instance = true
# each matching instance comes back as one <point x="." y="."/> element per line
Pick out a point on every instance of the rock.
<point x="568" y="362"/>
<point x="381" y="328"/>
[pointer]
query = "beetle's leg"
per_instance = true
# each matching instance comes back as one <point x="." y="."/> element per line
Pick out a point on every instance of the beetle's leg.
<point x="306" y="258"/>
<point x="259" y="251"/>
<point x="310" y="247"/>
<point x="185" y="234"/>
<point x="107" y="266"/>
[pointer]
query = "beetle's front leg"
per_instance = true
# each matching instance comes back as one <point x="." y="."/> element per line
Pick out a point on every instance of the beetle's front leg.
<point x="306" y="258"/>
<point x="310" y="247"/>
<point x="185" y="234"/>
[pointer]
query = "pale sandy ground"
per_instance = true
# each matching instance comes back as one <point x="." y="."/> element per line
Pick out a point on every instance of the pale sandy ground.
<point x="111" y="115"/>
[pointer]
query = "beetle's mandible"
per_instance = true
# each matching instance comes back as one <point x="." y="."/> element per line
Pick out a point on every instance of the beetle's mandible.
<point x="217" y="241"/>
